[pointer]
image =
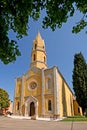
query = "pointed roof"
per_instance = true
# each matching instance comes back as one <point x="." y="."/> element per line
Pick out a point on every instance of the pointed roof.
<point x="38" y="36"/>
<point x="38" y="40"/>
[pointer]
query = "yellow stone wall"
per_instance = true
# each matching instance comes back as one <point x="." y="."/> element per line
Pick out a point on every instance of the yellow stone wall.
<point x="36" y="92"/>
<point x="77" y="109"/>
<point x="17" y="95"/>
<point x="65" y="98"/>
<point x="18" y="87"/>
<point x="40" y="55"/>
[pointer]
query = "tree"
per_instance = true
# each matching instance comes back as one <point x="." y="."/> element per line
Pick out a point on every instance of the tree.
<point x="80" y="80"/>
<point x="4" y="99"/>
<point x="15" y="15"/>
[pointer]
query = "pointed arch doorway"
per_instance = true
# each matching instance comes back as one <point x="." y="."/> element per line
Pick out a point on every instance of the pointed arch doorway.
<point x="32" y="109"/>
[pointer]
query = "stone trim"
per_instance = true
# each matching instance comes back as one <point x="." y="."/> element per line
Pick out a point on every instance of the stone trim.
<point x="22" y="95"/>
<point x="56" y="93"/>
<point x="43" y="85"/>
<point x="27" y="106"/>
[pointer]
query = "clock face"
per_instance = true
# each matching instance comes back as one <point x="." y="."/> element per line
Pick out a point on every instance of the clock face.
<point x="33" y="85"/>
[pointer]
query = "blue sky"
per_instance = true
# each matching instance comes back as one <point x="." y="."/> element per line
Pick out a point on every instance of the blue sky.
<point x="61" y="46"/>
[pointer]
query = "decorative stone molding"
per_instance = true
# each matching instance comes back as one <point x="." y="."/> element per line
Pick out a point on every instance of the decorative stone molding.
<point x="33" y="85"/>
<point x="27" y="106"/>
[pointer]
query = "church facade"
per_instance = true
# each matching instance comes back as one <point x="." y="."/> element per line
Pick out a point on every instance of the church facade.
<point x="43" y="91"/>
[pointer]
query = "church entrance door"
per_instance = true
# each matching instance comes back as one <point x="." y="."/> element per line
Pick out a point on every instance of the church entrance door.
<point x="32" y="109"/>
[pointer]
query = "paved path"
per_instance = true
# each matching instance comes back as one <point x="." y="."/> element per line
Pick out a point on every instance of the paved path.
<point x="24" y="124"/>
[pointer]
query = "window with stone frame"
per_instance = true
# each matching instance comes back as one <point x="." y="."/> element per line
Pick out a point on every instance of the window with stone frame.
<point x="49" y="105"/>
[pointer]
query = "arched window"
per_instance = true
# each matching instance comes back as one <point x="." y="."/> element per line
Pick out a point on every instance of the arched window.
<point x="35" y="46"/>
<point x="44" y="59"/>
<point x="34" y="57"/>
<point x="49" y="105"/>
<point x="17" y="105"/>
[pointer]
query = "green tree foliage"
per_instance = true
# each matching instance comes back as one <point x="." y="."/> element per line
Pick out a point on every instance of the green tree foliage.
<point x="15" y="15"/>
<point x="4" y="99"/>
<point x="80" y="80"/>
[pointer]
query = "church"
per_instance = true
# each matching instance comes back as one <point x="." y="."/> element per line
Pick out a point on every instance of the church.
<point x="42" y="91"/>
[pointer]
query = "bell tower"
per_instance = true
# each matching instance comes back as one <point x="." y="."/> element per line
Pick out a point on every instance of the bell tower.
<point x="38" y="54"/>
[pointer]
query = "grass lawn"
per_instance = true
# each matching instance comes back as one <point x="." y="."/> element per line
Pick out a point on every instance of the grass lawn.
<point x="75" y="118"/>
<point x="1" y="114"/>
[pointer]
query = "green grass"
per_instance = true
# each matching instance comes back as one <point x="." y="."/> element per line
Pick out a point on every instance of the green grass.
<point x="1" y="114"/>
<point x="75" y="118"/>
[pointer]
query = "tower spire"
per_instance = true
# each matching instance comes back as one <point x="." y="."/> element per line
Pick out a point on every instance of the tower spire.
<point x="38" y="54"/>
